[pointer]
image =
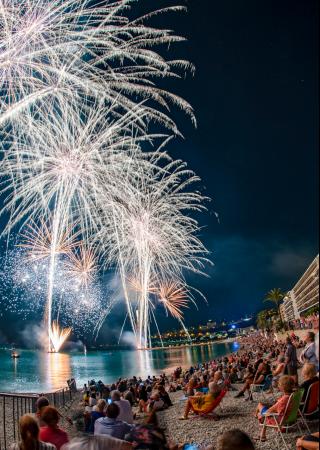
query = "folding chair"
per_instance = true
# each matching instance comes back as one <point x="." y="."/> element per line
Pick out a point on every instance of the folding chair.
<point x="260" y="389"/>
<point x="310" y="407"/>
<point x="290" y="419"/>
<point x="209" y="413"/>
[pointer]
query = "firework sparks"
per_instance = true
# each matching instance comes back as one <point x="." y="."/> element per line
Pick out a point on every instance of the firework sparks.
<point x="153" y="237"/>
<point x="37" y="240"/>
<point x="174" y="298"/>
<point x="58" y="336"/>
<point x="60" y="50"/>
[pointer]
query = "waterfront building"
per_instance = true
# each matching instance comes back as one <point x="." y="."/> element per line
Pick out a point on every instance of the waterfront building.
<point x="304" y="295"/>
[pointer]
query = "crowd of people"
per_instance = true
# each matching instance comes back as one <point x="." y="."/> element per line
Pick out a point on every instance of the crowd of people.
<point x="305" y="323"/>
<point x="123" y="415"/>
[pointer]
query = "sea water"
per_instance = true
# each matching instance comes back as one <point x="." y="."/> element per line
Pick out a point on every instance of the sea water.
<point x="36" y="371"/>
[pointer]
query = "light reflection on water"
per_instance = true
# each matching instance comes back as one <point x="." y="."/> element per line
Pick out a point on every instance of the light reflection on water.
<point x="37" y="371"/>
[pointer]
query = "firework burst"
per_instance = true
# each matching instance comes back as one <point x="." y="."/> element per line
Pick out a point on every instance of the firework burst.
<point x="174" y="298"/>
<point x="60" y="50"/>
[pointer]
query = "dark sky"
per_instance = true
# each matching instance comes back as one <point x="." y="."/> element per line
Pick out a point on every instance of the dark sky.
<point x="255" y="94"/>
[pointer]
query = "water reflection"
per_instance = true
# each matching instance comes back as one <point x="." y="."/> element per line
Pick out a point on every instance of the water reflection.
<point x="57" y="369"/>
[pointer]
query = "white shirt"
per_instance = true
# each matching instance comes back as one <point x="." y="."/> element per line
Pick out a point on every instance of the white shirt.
<point x="126" y="414"/>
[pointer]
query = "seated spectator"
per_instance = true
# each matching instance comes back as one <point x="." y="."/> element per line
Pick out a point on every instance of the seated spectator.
<point x="164" y="396"/>
<point x="155" y="403"/>
<point x="130" y="396"/>
<point x="149" y="437"/>
<point x="51" y="432"/>
<point x="143" y="397"/>
<point x="97" y="414"/>
<point x="286" y="386"/>
<point x="233" y="440"/>
<point x="248" y="380"/>
<point x="310" y="442"/>
<point x="309" y="375"/>
<point x="111" y="425"/>
<point x="85" y="441"/>
<point x="201" y="403"/>
<point x="191" y="386"/>
<point x="41" y="403"/>
<point x="29" y="432"/>
<point x="126" y="414"/>
<point x="93" y="399"/>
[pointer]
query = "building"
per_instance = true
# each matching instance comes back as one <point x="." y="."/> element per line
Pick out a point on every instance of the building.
<point x="304" y="295"/>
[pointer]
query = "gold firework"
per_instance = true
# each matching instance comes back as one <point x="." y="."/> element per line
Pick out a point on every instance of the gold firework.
<point x="174" y="298"/>
<point x="38" y="240"/>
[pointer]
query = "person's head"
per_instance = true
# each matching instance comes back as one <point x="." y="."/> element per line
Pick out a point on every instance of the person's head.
<point x="309" y="371"/>
<point x="288" y="340"/>
<point x="234" y="439"/>
<point x="101" y="405"/>
<point x="113" y="411"/>
<point x="286" y="384"/>
<point x="50" y="416"/>
<point x="29" y="431"/>
<point x="93" y="395"/>
<point x="310" y="337"/>
<point x="42" y="402"/>
<point x="115" y="396"/>
<point x="281" y="359"/>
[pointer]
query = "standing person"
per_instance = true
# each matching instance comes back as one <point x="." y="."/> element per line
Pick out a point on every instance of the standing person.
<point x="51" y="432"/>
<point x="291" y="361"/>
<point x="308" y="354"/>
<point x="29" y="432"/>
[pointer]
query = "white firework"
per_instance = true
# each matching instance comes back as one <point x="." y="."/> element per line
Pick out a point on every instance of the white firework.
<point x="60" y="50"/>
<point x="154" y="239"/>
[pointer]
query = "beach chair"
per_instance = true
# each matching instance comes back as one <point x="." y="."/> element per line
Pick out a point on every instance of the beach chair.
<point x="291" y="419"/>
<point x="261" y="389"/>
<point x="209" y="412"/>
<point x="310" y="408"/>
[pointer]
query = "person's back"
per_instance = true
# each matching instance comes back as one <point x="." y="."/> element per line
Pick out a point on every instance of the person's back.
<point x="110" y="425"/>
<point x="29" y="432"/>
<point x="51" y="432"/>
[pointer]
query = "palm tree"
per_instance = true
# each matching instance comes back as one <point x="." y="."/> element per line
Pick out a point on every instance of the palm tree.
<point x="275" y="296"/>
<point x="262" y="319"/>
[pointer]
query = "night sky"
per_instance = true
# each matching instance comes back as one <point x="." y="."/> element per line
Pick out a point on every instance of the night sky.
<point x="255" y="95"/>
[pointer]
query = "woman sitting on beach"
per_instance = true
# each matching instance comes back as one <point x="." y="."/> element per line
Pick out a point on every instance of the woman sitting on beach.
<point x="51" y="432"/>
<point x="29" y="432"/>
<point x="202" y="404"/>
<point x="286" y="386"/>
<point x="98" y="412"/>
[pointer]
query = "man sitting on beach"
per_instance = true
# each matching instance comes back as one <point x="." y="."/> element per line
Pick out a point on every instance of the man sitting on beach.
<point x="111" y="425"/>
<point x="126" y="414"/>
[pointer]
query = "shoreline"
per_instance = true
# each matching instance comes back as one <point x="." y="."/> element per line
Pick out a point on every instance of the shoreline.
<point x="198" y="344"/>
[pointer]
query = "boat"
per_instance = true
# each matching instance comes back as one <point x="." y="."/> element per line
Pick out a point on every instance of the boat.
<point x="15" y="354"/>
